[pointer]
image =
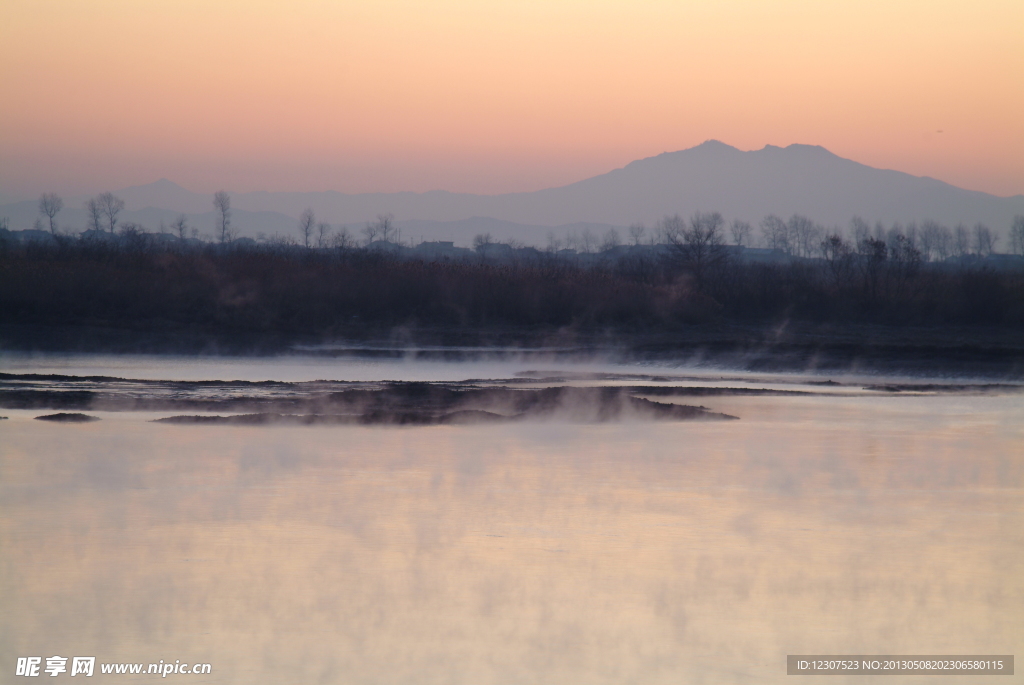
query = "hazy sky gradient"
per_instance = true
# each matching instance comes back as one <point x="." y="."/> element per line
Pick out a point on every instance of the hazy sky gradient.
<point x="495" y="96"/>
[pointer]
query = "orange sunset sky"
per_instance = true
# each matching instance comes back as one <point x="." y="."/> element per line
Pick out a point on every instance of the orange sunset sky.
<point x="495" y="96"/>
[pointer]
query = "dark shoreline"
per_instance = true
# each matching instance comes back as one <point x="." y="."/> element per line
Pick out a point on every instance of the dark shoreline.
<point x="984" y="352"/>
<point x="344" y="403"/>
<point x="529" y="396"/>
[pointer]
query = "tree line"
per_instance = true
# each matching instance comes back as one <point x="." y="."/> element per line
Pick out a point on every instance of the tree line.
<point x="336" y="289"/>
<point x="798" y="236"/>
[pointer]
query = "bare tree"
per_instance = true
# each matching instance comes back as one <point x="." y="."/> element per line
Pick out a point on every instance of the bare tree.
<point x="671" y="229"/>
<point x="699" y="246"/>
<point x="929" y="239"/>
<point x="554" y="244"/>
<point x="110" y="207"/>
<point x="222" y="203"/>
<point x="611" y="240"/>
<point x="859" y="229"/>
<point x="936" y="240"/>
<point x="587" y="241"/>
<point x="944" y="243"/>
<point x="961" y="241"/>
<point x="775" y="233"/>
<point x="323" y="233"/>
<point x="636" y="232"/>
<point x="657" y="235"/>
<point x="1017" y="235"/>
<point x="370" y="232"/>
<point x="740" y="231"/>
<point x="880" y="232"/>
<point x="872" y="254"/>
<point x="572" y="241"/>
<point x="50" y="204"/>
<point x="95" y="214"/>
<point x="386" y="227"/>
<point x="307" y="222"/>
<point x="481" y="242"/>
<point x="983" y="240"/>
<point x="913" y="235"/>
<point x="839" y="257"/>
<point x="893" y="234"/>
<point x="341" y="239"/>
<point x="130" y="229"/>
<point x="804" y="236"/>
<point x="904" y="261"/>
<point x="180" y="226"/>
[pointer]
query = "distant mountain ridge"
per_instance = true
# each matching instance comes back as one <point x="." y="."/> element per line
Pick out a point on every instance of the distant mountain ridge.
<point x="713" y="176"/>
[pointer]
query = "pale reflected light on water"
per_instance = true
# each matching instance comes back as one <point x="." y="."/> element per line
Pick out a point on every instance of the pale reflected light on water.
<point x="520" y="553"/>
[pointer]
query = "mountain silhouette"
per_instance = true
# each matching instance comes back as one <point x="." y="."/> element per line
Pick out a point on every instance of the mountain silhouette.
<point x="713" y="176"/>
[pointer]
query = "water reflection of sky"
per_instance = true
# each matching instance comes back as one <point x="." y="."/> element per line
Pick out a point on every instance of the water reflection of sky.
<point x="543" y="553"/>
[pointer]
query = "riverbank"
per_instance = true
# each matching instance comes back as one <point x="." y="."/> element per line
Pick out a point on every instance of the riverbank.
<point x="794" y="347"/>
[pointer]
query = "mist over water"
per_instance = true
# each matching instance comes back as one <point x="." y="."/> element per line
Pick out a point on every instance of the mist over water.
<point x="849" y="521"/>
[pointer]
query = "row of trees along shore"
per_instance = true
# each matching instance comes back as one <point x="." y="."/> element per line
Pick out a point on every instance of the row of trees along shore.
<point x="799" y="236"/>
<point x="686" y="272"/>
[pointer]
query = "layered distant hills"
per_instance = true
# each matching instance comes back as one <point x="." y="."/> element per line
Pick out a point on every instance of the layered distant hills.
<point x="713" y="176"/>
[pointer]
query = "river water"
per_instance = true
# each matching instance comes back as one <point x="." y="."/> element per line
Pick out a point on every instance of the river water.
<point x="845" y="522"/>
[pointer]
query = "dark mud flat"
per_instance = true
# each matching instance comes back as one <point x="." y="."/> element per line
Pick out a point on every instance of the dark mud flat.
<point x="468" y="416"/>
<point x="947" y="388"/>
<point x="423" y="404"/>
<point x="68" y="418"/>
<point x="389" y="399"/>
<point x="532" y="394"/>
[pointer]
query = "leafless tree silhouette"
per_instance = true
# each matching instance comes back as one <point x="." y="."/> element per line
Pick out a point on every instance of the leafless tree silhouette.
<point x="984" y="241"/>
<point x="904" y="261"/>
<point x="50" y="204"/>
<point x="110" y="207"/>
<point x="180" y="226"/>
<point x="323" y="233"/>
<point x="481" y="242"/>
<point x="636" y="232"/>
<point x="775" y="233"/>
<point x="611" y="240"/>
<point x="872" y="254"/>
<point x="698" y="247"/>
<point x="307" y="222"/>
<point x="740" y="231"/>
<point x="961" y="241"/>
<point x="386" y="227"/>
<point x="95" y="214"/>
<point x="804" y="236"/>
<point x="1017" y="235"/>
<point x="222" y="203"/>
<point x="342" y="240"/>
<point x="859" y="230"/>
<point x="370" y="232"/>
<point x="587" y="241"/>
<point x="839" y="256"/>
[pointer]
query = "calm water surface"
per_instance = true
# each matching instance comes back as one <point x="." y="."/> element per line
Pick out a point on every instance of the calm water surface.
<point x="521" y="553"/>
